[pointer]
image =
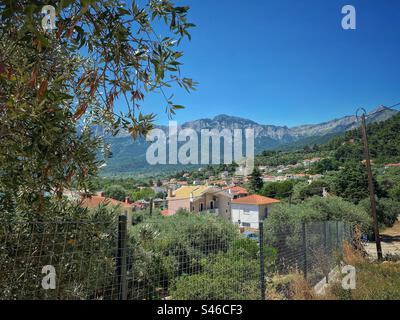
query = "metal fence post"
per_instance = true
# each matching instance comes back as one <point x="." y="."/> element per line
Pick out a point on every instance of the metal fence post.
<point x="337" y="235"/>
<point x="326" y="252"/>
<point x="121" y="258"/>
<point x="304" y="232"/>
<point x="262" y="266"/>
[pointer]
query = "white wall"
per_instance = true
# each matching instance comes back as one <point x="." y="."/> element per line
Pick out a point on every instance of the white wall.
<point x="248" y="213"/>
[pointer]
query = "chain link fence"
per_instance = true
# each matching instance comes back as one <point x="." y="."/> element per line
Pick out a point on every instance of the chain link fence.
<point x="182" y="257"/>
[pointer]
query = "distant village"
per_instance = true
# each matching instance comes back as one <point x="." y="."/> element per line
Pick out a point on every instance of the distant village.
<point x="202" y="190"/>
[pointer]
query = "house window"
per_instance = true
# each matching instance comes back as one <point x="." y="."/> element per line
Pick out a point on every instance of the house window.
<point x="201" y="207"/>
<point x="211" y="204"/>
<point x="245" y="224"/>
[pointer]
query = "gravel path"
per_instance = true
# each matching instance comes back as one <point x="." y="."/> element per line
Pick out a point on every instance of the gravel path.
<point x="390" y="242"/>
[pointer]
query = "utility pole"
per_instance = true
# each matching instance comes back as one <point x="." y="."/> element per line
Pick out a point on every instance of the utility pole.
<point x="151" y="206"/>
<point x="371" y="185"/>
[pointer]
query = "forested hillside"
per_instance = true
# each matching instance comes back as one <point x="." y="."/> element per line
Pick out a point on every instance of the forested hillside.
<point x="383" y="137"/>
<point x="384" y="142"/>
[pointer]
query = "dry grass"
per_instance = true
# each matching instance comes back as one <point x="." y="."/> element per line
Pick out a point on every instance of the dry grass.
<point x="374" y="280"/>
<point x="392" y="231"/>
<point x="300" y="289"/>
<point x="351" y="256"/>
<point x="289" y="287"/>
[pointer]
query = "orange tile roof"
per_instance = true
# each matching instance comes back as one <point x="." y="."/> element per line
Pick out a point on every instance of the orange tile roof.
<point x="94" y="201"/>
<point x="236" y="190"/>
<point x="392" y="165"/>
<point x="255" y="199"/>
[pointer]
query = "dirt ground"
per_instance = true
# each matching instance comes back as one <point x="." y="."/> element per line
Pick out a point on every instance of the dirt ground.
<point x="390" y="242"/>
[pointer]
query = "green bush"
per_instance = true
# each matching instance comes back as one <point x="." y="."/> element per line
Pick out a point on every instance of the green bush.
<point x="279" y="190"/>
<point x="80" y="244"/>
<point x="387" y="210"/>
<point x="227" y="276"/>
<point x="174" y="246"/>
<point x="116" y="192"/>
<point x="316" y="209"/>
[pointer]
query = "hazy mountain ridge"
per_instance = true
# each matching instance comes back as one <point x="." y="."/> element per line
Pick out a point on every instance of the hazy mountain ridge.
<point x="129" y="156"/>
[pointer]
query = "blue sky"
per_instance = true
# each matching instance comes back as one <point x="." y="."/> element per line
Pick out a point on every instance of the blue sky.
<point x="287" y="62"/>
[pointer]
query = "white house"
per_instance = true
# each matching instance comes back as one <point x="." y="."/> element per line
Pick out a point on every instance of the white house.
<point x="248" y="211"/>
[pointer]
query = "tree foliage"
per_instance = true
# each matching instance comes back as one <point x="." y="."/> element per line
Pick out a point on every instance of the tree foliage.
<point x="116" y="192"/>
<point x="387" y="210"/>
<point x="280" y="190"/>
<point x="256" y="182"/>
<point x="316" y="209"/>
<point x="80" y="244"/>
<point x="351" y="182"/>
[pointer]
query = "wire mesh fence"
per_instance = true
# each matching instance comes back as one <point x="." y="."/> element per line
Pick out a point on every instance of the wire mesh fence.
<point x="311" y="249"/>
<point x="171" y="258"/>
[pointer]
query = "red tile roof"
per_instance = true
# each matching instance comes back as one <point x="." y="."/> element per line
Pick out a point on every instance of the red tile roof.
<point x="392" y="165"/>
<point x="255" y="199"/>
<point x="236" y="190"/>
<point x="94" y="201"/>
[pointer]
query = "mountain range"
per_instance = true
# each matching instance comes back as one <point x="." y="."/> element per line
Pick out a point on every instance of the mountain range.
<point x="129" y="156"/>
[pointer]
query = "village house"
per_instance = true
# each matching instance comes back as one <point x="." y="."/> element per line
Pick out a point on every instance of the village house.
<point x="314" y="177"/>
<point x="94" y="201"/>
<point x="159" y="189"/>
<point x="199" y="199"/>
<point x="236" y="192"/>
<point x="308" y="162"/>
<point x="392" y="165"/>
<point x="224" y="175"/>
<point x="296" y="176"/>
<point x="248" y="211"/>
<point x="267" y="178"/>
<point x="219" y="183"/>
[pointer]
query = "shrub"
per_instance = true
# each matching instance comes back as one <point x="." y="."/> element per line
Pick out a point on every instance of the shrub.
<point x="227" y="277"/>
<point x="316" y="209"/>
<point x="387" y="210"/>
<point x="175" y="246"/>
<point x="116" y="192"/>
<point x="80" y="244"/>
<point x="375" y="281"/>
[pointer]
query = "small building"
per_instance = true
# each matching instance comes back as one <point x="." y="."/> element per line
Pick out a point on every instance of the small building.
<point x="95" y="201"/>
<point x="392" y="165"/>
<point x="224" y="175"/>
<point x="248" y="211"/>
<point x="236" y="192"/>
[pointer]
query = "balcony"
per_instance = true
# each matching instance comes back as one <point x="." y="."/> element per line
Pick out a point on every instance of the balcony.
<point x="212" y="211"/>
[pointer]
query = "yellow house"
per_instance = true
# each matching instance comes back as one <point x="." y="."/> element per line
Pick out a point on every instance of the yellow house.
<point x="199" y="199"/>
